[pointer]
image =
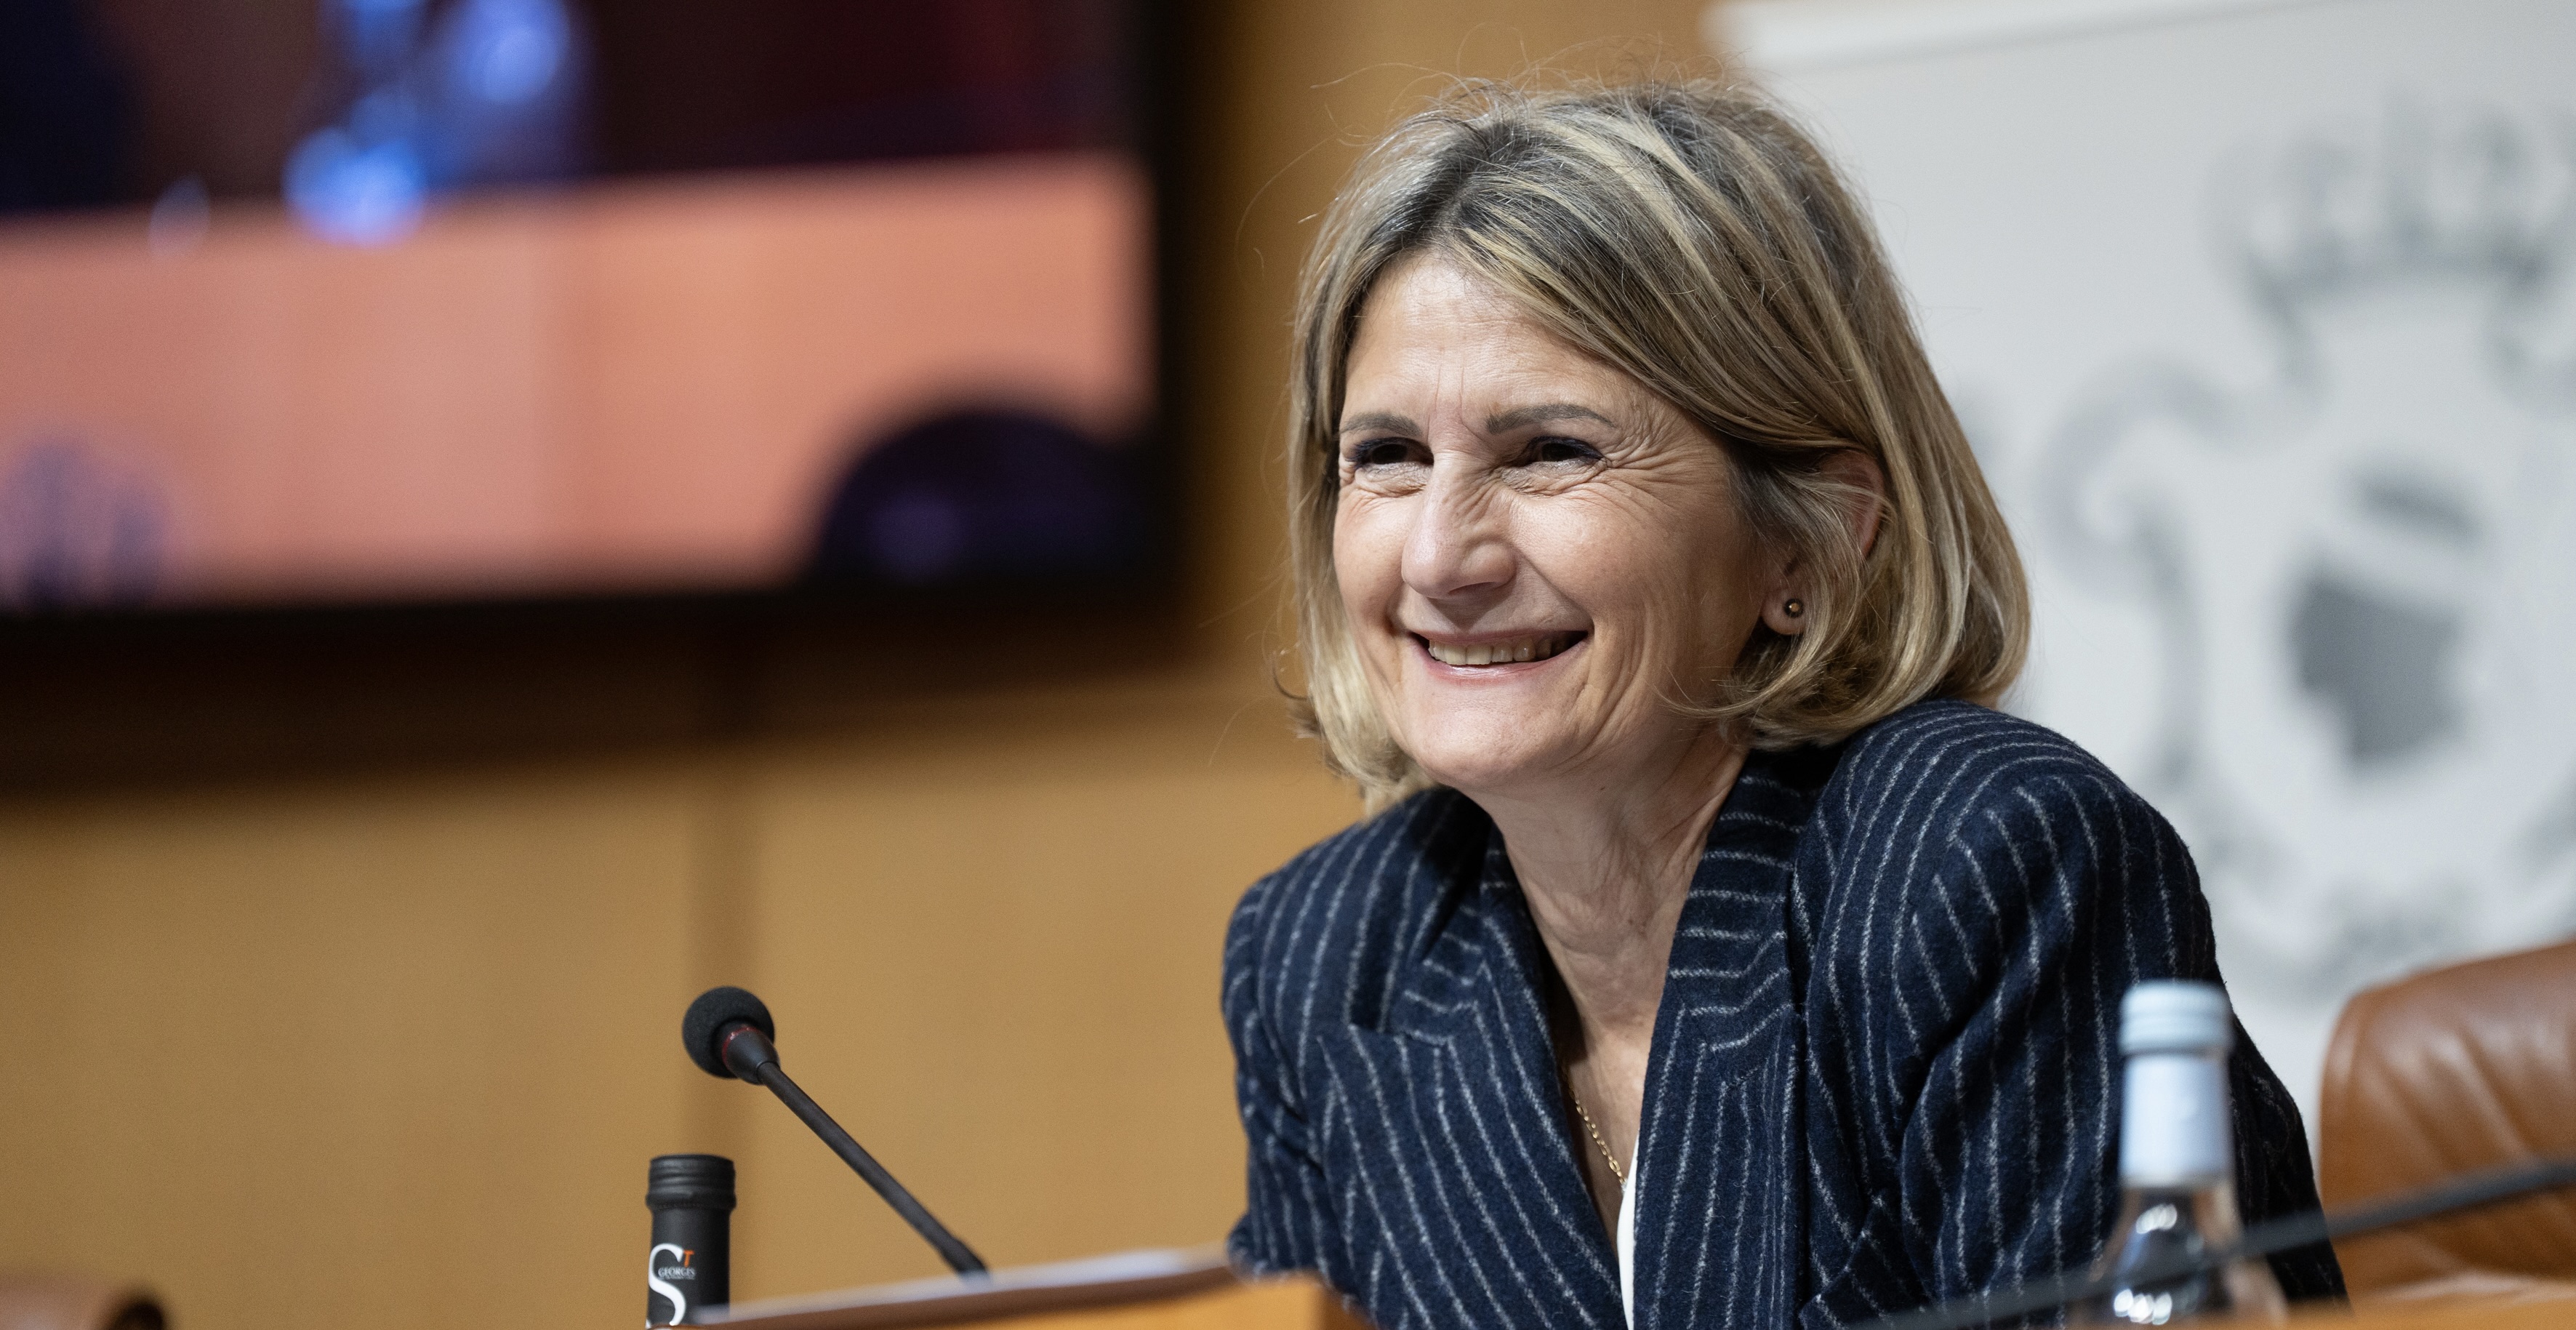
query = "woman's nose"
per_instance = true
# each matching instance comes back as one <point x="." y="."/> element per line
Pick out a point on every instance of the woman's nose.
<point x="1456" y="545"/>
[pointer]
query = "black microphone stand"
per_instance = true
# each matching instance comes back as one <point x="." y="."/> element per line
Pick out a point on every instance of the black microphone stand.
<point x="749" y="1055"/>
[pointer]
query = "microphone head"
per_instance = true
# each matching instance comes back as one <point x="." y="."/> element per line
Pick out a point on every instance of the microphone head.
<point x="702" y="1029"/>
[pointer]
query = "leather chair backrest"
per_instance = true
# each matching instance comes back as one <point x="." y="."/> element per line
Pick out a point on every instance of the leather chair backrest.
<point x="31" y="1301"/>
<point x="2454" y="1071"/>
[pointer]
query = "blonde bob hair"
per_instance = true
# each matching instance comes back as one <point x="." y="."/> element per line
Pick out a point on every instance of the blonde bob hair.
<point x="1689" y="235"/>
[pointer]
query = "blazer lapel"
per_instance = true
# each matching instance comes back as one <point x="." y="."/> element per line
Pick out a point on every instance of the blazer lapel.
<point x="1452" y="1113"/>
<point x="1719" y="1213"/>
<point x="1486" y="1112"/>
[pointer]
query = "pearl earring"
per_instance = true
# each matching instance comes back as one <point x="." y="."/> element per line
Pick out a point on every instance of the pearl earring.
<point x="1796" y="608"/>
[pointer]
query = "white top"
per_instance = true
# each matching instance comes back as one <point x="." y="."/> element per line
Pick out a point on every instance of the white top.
<point x="2175" y="1016"/>
<point x="1628" y="1246"/>
<point x="2174" y="1124"/>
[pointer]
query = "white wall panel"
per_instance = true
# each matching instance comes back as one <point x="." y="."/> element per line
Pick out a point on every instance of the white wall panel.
<point x="2262" y="314"/>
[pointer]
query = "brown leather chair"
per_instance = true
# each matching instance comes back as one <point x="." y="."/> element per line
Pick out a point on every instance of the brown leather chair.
<point x="2449" y="1072"/>
<point x="68" y="1302"/>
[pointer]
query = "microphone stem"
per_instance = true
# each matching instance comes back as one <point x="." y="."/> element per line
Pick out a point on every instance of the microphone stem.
<point x="2473" y="1192"/>
<point x="959" y="1256"/>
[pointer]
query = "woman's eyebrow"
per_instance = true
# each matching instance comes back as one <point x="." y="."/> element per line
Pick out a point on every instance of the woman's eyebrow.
<point x="1520" y="417"/>
<point x="1385" y="420"/>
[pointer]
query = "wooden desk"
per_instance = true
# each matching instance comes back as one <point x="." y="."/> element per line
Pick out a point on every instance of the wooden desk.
<point x="1282" y="1304"/>
<point x="1212" y="1299"/>
<point x="1190" y="1290"/>
<point x="2461" y="1314"/>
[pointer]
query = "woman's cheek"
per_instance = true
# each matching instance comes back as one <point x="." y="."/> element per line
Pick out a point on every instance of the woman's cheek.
<point x="1367" y="553"/>
<point x="1576" y="550"/>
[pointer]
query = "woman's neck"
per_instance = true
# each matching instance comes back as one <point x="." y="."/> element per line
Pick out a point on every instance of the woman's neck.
<point x="1606" y="866"/>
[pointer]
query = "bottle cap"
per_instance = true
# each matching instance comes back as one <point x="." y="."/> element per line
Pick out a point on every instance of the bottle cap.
<point x="2176" y="1016"/>
<point x="692" y="1182"/>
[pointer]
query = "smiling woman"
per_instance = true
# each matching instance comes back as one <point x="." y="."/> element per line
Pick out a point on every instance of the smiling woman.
<point x="1534" y="553"/>
<point x="1695" y="250"/>
<point x="1716" y="953"/>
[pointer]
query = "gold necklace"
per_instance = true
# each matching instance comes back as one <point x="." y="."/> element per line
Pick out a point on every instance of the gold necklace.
<point x="1617" y="1173"/>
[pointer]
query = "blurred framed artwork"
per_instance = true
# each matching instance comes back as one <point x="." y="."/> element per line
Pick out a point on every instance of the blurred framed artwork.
<point x="403" y="301"/>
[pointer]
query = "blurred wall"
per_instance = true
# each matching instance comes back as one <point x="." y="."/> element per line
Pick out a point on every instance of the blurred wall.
<point x="2275" y="381"/>
<point x="390" y="1045"/>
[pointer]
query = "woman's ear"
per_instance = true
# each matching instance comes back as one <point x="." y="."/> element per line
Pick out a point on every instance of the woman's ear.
<point x="1785" y="610"/>
<point x="1858" y="471"/>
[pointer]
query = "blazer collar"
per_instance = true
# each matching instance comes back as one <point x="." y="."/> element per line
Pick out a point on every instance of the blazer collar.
<point x="1730" y="967"/>
<point x="1475" y="971"/>
<point x="1469" y="986"/>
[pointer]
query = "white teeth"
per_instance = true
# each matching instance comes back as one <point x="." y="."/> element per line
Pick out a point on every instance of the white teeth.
<point x="1501" y="653"/>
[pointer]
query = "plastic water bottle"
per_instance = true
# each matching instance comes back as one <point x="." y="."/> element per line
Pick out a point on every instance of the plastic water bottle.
<point x="2177" y="1166"/>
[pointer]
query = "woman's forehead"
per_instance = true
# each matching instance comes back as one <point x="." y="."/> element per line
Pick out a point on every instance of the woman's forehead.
<point x="1428" y="298"/>
<point x="1434" y="331"/>
<point x="1496" y="422"/>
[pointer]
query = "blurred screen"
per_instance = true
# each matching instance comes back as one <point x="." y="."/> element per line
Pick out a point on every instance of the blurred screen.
<point x="370" y="300"/>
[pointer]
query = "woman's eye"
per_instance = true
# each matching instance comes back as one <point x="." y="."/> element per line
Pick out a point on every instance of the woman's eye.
<point x="1560" y="452"/>
<point x="1382" y="452"/>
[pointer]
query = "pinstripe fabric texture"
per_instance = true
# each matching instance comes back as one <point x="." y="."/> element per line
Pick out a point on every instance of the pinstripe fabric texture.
<point x="1885" y="1070"/>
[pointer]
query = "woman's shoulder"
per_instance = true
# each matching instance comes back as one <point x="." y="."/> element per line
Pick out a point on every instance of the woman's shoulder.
<point x="1955" y="844"/>
<point x="1943" y="782"/>
<point x="1947" y="757"/>
<point x="1362" y="891"/>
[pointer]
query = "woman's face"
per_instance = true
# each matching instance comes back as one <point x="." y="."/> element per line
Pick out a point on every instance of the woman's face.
<point x="1536" y="554"/>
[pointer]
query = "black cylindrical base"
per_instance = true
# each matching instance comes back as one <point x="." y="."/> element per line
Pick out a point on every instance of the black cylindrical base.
<point x="690" y="1265"/>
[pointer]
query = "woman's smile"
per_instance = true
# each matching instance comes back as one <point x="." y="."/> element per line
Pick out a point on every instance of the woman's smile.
<point x="1491" y="654"/>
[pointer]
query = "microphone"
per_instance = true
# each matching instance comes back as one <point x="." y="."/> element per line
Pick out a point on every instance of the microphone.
<point x="2473" y="1192"/>
<point x="728" y="1033"/>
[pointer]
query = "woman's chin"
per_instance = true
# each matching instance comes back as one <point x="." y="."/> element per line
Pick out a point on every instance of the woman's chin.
<point x="1471" y="767"/>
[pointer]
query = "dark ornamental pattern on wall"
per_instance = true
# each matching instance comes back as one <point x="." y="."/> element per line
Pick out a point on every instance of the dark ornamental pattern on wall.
<point x="2355" y="555"/>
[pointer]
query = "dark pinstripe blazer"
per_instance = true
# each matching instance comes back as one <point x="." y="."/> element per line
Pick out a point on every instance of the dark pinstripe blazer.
<point x="1885" y="1070"/>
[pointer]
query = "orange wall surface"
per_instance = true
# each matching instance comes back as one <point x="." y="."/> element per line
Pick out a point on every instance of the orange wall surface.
<point x="391" y="1046"/>
<point x="318" y="1049"/>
